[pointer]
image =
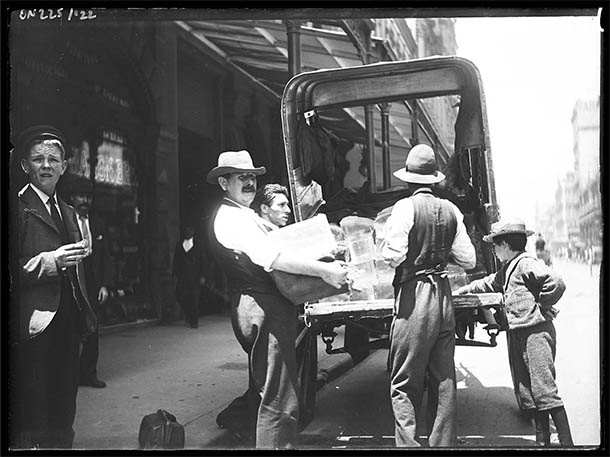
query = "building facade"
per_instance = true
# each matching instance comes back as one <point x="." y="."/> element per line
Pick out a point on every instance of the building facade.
<point x="585" y="126"/>
<point x="574" y="222"/>
<point x="147" y="105"/>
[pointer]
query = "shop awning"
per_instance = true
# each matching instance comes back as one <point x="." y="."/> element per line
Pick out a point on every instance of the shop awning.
<point x="260" y="48"/>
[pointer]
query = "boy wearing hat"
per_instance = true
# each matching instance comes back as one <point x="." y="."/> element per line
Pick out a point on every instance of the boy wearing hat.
<point x="423" y="233"/>
<point x="52" y="300"/>
<point x="263" y="320"/>
<point x="530" y="290"/>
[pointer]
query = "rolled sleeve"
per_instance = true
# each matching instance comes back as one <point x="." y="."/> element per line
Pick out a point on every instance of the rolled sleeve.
<point x="462" y="250"/>
<point x="398" y="226"/>
<point x="237" y="229"/>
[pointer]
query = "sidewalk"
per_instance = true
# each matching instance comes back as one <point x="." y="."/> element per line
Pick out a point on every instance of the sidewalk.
<point x="192" y="373"/>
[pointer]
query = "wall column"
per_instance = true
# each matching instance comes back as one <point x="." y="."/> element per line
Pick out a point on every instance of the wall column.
<point x="165" y="175"/>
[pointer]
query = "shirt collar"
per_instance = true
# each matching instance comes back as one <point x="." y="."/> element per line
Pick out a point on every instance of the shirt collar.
<point x="427" y="190"/>
<point x="238" y="204"/>
<point x="44" y="197"/>
<point x="269" y="225"/>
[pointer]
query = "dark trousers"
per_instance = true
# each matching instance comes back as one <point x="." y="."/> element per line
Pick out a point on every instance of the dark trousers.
<point x="265" y="325"/>
<point x="47" y="372"/>
<point x="188" y="298"/>
<point x="422" y="342"/>
<point x="89" y="357"/>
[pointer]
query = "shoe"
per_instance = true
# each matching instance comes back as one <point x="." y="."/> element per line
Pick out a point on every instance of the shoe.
<point x="93" y="383"/>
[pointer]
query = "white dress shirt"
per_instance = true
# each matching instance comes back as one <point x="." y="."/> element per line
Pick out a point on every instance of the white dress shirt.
<point x="400" y="223"/>
<point x="44" y="198"/>
<point x="85" y="230"/>
<point x="187" y="244"/>
<point x="241" y="229"/>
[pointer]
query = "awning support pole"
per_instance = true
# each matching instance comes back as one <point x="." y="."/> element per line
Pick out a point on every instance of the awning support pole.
<point x="293" y="31"/>
<point x="359" y="31"/>
<point x="385" y="134"/>
<point x="414" y="124"/>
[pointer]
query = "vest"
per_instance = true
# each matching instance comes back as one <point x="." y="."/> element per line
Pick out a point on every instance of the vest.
<point x="430" y="238"/>
<point x="243" y="275"/>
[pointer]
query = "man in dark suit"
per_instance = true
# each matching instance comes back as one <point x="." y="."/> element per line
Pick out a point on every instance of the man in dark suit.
<point x="81" y="197"/>
<point x="52" y="308"/>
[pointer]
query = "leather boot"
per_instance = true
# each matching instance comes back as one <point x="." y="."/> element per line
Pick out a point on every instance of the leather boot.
<point x="543" y="432"/>
<point x="560" y="419"/>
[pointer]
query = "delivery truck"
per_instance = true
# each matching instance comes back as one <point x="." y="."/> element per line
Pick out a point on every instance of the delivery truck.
<point x="347" y="180"/>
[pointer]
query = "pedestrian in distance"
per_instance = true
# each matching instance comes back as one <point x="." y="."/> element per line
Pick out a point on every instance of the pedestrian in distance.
<point x="541" y="252"/>
<point x="590" y="254"/>
<point x="53" y="308"/>
<point x="96" y="265"/>
<point x="530" y="290"/>
<point x="422" y="234"/>
<point x="264" y="321"/>
<point x="187" y="271"/>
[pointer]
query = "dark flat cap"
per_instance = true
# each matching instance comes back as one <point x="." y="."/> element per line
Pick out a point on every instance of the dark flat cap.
<point x="37" y="132"/>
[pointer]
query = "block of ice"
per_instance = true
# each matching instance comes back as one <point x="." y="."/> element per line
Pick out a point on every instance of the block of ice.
<point x="309" y="239"/>
<point x="356" y="227"/>
<point x="361" y="249"/>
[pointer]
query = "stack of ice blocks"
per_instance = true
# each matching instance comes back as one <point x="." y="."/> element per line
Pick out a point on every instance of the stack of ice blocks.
<point x="361" y="248"/>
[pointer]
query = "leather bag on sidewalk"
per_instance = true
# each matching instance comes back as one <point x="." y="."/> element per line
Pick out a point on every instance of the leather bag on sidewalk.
<point x="161" y="431"/>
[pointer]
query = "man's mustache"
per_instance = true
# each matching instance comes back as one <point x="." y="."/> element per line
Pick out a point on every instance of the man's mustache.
<point x="249" y="189"/>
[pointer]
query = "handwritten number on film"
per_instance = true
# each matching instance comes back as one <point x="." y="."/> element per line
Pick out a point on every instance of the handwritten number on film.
<point x="69" y="14"/>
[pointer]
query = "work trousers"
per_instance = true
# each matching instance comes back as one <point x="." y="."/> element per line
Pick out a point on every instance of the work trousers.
<point x="531" y="355"/>
<point x="422" y="342"/>
<point x="265" y="325"/>
<point x="47" y="380"/>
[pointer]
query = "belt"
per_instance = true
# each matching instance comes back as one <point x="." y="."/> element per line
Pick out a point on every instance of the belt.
<point x="436" y="270"/>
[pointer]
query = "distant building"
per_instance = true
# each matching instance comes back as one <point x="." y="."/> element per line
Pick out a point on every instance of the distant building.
<point x="574" y="222"/>
<point x="585" y="125"/>
<point x="562" y="216"/>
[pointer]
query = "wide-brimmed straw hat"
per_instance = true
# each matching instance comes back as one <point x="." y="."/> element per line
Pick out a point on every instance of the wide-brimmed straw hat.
<point x="506" y="227"/>
<point x="420" y="166"/>
<point x="233" y="162"/>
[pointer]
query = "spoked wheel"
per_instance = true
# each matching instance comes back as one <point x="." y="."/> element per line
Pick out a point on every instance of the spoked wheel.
<point x="307" y="369"/>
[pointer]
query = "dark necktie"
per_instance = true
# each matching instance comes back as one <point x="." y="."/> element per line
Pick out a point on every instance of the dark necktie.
<point x="63" y="233"/>
<point x="61" y="227"/>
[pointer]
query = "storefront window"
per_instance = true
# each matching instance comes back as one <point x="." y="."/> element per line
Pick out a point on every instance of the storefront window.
<point x="113" y="162"/>
<point x="106" y="158"/>
<point x="77" y="81"/>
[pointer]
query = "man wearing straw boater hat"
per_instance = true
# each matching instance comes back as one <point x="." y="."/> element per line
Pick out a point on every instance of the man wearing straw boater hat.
<point x="530" y="290"/>
<point x="263" y="320"/>
<point x="422" y="234"/>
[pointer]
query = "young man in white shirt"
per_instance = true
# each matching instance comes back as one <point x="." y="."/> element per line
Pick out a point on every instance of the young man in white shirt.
<point x="272" y="205"/>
